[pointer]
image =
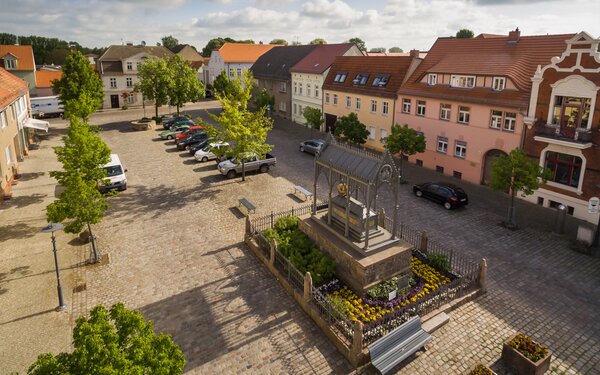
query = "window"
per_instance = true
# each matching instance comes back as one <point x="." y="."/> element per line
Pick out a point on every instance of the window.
<point x="439" y="169"/>
<point x="137" y="65"/>
<point x="463" y="115"/>
<point x="372" y="132"/>
<point x="10" y="63"/>
<point x="566" y="169"/>
<point x="300" y="89"/>
<point x="510" y="118"/>
<point x="383" y="134"/>
<point x="406" y="105"/>
<point x="3" y="119"/>
<point x="129" y="82"/>
<point x="340" y="77"/>
<point x="420" y="108"/>
<point x="348" y="102"/>
<point x="335" y="99"/>
<point x="571" y="112"/>
<point x="361" y="79"/>
<point x="373" y="106"/>
<point x="442" y="144"/>
<point x="113" y="83"/>
<point x="327" y="98"/>
<point x="308" y="90"/>
<point x="496" y="122"/>
<point x="462" y="81"/>
<point x="445" y="110"/>
<point x="432" y="79"/>
<point x="300" y="109"/>
<point x="358" y="104"/>
<point x="499" y="83"/>
<point x="316" y="92"/>
<point x="295" y="109"/>
<point x="282" y="87"/>
<point x="282" y="106"/>
<point x="554" y="204"/>
<point x="460" y="149"/>
<point x="295" y="87"/>
<point x="456" y="174"/>
<point x="540" y="201"/>
<point x="129" y="65"/>
<point x="385" y="109"/>
<point x="130" y="99"/>
<point x="8" y="155"/>
<point x="419" y="162"/>
<point x="231" y="72"/>
<point x="239" y="72"/>
<point x="381" y="80"/>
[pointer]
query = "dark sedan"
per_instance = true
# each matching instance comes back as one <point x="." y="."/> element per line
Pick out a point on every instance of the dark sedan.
<point x="181" y="120"/>
<point x="194" y="138"/>
<point x="198" y="146"/>
<point x="448" y="195"/>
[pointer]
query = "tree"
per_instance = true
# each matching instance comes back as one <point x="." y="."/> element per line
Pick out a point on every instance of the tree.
<point x="377" y="50"/>
<point x="279" y="41"/>
<point x="114" y="341"/>
<point x="404" y="141"/>
<point x="169" y="42"/>
<point x="359" y="43"/>
<point x="222" y="82"/>
<point x="154" y="82"/>
<point x="314" y="117"/>
<point x="80" y="88"/>
<point x="349" y="129"/>
<point x="245" y="131"/>
<point x="263" y="99"/>
<point x="516" y="172"/>
<point x="318" y="41"/>
<point x="464" y="33"/>
<point x="396" y="50"/>
<point x="185" y="85"/>
<point x="81" y="202"/>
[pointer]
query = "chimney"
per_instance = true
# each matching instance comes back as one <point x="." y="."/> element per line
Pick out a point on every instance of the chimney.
<point x="513" y="36"/>
<point x="414" y="53"/>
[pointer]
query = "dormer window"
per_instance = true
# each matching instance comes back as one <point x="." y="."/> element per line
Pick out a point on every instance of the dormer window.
<point x="432" y="79"/>
<point x="129" y="65"/>
<point x="381" y="80"/>
<point x="467" y="82"/>
<point x="10" y="63"/>
<point x="499" y="83"/>
<point x="340" y="77"/>
<point x="361" y="79"/>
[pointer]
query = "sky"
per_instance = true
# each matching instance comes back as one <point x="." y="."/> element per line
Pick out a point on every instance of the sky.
<point x="408" y="24"/>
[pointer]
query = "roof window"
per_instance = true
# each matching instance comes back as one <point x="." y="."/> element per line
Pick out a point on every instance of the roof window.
<point x="340" y="77"/>
<point x="381" y="80"/>
<point x="360" y="79"/>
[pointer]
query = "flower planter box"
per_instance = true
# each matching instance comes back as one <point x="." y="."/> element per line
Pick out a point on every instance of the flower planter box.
<point x="143" y="125"/>
<point x="522" y="365"/>
<point x="481" y="370"/>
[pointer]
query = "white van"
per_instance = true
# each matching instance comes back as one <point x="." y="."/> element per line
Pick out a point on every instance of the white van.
<point x="115" y="173"/>
<point x="207" y="153"/>
<point x="46" y="106"/>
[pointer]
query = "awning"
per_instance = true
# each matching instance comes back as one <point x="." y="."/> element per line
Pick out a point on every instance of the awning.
<point x="37" y="124"/>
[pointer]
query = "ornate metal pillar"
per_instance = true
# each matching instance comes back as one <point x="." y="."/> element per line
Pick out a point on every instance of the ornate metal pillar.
<point x="395" y="218"/>
<point x="368" y="216"/>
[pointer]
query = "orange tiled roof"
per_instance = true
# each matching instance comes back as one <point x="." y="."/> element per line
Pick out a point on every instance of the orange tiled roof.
<point x="24" y="55"/>
<point x="44" y="78"/>
<point x="11" y="87"/>
<point x="243" y="53"/>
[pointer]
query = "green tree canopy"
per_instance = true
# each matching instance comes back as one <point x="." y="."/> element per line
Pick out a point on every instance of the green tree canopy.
<point x="377" y="50"/>
<point x="513" y="173"/>
<point x="359" y="43"/>
<point x="111" y="342"/>
<point x="185" y="85"/>
<point x="279" y="41"/>
<point x="318" y="41"/>
<point x="465" y="34"/>
<point x="155" y="80"/>
<point x="216" y="43"/>
<point x="80" y="88"/>
<point x="263" y="99"/>
<point x="396" y="50"/>
<point x="169" y="41"/>
<point x="404" y="141"/>
<point x="222" y="83"/>
<point x="350" y="129"/>
<point x="313" y="116"/>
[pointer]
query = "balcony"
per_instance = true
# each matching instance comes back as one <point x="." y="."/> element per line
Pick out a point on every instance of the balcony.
<point x="580" y="138"/>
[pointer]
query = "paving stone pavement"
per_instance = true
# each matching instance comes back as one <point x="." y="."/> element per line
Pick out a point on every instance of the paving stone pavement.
<point x="175" y="252"/>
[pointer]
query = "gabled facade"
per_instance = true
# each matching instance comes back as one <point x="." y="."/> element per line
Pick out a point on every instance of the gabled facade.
<point x="19" y="61"/>
<point x="309" y="74"/>
<point x="367" y="86"/>
<point x="272" y="72"/>
<point x="469" y="98"/>
<point x="234" y="57"/>
<point x="118" y="68"/>
<point x="563" y="125"/>
<point x="187" y="52"/>
<point x="44" y="80"/>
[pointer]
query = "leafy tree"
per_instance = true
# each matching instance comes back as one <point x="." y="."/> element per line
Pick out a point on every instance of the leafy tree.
<point x="279" y="41"/>
<point x="222" y="82"/>
<point x="185" y="85"/>
<point x="377" y="50"/>
<point x="396" y="50"/>
<point x="58" y="56"/>
<point x="169" y="41"/>
<point x="314" y="117"/>
<point x="296" y="43"/>
<point x="465" y="34"/>
<point x="263" y="99"/>
<point x="115" y="341"/>
<point x="80" y="88"/>
<point x="216" y="43"/>
<point x="318" y="41"/>
<point x="359" y="43"/>
<point x="81" y="156"/>
<point x="404" y="141"/>
<point x="244" y="130"/>
<point x="154" y="82"/>
<point x="349" y="129"/>
<point x="516" y="172"/>
<point x="43" y="48"/>
<point x="7" y="39"/>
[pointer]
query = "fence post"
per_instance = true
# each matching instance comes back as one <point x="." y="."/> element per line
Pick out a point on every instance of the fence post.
<point x="307" y="287"/>
<point x="423" y="243"/>
<point x="292" y="211"/>
<point x="272" y="250"/>
<point x="483" y="275"/>
<point x="382" y="218"/>
<point x="357" y="343"/>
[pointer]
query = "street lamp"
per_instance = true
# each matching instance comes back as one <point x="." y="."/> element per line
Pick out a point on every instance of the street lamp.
<point x="596" y="241"/>
<point x="51" y="228"/>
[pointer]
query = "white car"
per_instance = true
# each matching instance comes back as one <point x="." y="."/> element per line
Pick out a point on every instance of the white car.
<point x="207" y="153"/>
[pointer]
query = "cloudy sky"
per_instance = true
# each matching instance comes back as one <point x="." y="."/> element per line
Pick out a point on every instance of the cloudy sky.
<point x="402" y="23"/>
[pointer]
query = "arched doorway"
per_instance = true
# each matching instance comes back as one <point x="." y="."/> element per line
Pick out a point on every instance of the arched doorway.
<point x="488" y="159"/>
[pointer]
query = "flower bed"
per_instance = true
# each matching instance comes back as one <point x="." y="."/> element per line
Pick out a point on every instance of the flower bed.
<point x="481" y="370"/>
<point x="526" y="346"/>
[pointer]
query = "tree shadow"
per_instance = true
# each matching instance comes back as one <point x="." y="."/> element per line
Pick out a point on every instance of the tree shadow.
<point x="189" y="161"/>
<point x="28" y="176"/>
<point x="205" y="167"/>
<point x="120" y="126"/>
<point x="25" y="200"/>
<point x="17" y="231"/>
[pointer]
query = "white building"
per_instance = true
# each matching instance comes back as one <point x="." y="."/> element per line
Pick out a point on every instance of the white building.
<point x="234" y="57"/>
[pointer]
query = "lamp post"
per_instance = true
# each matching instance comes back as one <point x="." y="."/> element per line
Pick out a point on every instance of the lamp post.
<point x="596" y="241"/>
<point x="51" y="228"/>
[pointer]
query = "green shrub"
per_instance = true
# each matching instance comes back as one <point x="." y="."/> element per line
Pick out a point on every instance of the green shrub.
<point x="339" y="303"/>
<point x="481" y="370"/>
<point x="286" y="223"/>
<point x="382" y="290"/>
<point x="439" y="262"/>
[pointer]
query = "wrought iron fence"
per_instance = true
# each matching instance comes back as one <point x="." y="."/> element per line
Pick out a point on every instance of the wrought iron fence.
<point x="263" y="244"/>
<point x="336" y="320"/>
<point x="289" y="271"/>
<point x="258" y="224"/>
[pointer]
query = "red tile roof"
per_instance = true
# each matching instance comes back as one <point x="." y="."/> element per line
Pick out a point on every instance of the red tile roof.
<point x="320" y="58"/>
<point x="396" y="66"/>
<point x="24" y="55"/>
<point x="44" y="78"/>
<point x="11" y="87"/>
<point x="242" y="52"/>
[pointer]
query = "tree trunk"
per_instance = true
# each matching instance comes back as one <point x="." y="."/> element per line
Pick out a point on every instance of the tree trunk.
<point x="511" y="220"/>
<point x="401" y="171"/>
<point x="94" y="248"/>
<point x="243" y="170"/>
<point x="156" y="112"/>
<point x="177" y="110"/>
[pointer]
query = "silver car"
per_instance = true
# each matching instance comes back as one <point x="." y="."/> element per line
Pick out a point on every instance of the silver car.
<point x="312" y="146"/>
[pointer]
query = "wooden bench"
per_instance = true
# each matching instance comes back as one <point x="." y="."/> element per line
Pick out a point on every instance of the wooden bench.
<point x="398" y="345"/>
<point x="249" y="207"/>
<point x="302" y="193"/>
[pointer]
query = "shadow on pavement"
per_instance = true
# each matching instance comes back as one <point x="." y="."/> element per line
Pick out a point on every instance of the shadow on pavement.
<point x="17" y="231"/>
<point x="28" y="176"/>
<point x="25" y="200"/>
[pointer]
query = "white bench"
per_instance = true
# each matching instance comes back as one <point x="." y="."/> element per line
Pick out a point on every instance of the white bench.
<point x="302" y="193"/>
<point x="245" y="203"/>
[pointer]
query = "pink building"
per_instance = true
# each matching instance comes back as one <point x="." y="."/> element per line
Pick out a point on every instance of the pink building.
<point x="469" y="98"/>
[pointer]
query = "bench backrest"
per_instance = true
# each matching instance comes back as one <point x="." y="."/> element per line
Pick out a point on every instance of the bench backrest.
<point x="395" y="337"/>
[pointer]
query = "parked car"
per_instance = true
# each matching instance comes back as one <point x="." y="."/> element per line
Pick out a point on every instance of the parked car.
<point x="115" y="175"/>
<point x="173" y="131"/>
<point x="449" y="195"/>
<point x="231" y="168"/>
<point x="194" y="138"/>
<point x="192" y="130"/>
<point x="208" y="152"/>
<point x="197" y="146"/>
<point x="181" y="120"/>
<point x="312" y="146"/>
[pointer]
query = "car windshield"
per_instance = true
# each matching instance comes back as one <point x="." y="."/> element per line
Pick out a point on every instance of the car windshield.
<point x="206" y="149"/>
<point x="114" y="170"/>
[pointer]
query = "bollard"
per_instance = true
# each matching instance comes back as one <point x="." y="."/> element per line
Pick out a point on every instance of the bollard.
<point x="561" y="216"/>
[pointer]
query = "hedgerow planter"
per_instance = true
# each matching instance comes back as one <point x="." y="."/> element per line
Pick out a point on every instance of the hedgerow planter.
<point x="522" y="365"/>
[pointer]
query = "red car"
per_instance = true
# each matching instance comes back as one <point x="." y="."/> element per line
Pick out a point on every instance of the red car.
<point x="191" y="130"/>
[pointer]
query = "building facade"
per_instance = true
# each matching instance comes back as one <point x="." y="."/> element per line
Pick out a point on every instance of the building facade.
<point x="19" y="61"/>
<point x="234" y="58"/>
